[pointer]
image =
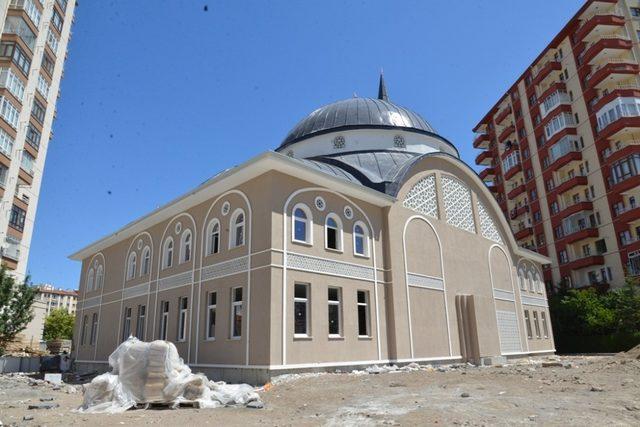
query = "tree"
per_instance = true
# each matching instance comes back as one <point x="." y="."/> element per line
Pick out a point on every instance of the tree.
<point x="58" y="325"/>
<point x="15" y="307"/>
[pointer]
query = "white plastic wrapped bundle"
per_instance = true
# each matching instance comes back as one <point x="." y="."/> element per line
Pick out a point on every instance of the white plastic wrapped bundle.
<point x="153" y="372"/>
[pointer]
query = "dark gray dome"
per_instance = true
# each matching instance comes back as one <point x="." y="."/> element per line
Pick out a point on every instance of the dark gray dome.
<point x="357" y="113"/>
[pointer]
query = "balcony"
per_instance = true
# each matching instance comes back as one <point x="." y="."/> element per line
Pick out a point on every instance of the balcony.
<point x="19" y="27"/>
<point x="599" y="22"/>
<point x="586" y="261"/>
<point x="577" y="234"/>
<point x="612" y="72"/>
<point x="516" y="212"/>
<point x="11" y="248"/>
<point x="511" y="148"/>
<point x="544" y="70"/>
<point x="512" y="171"/>
<point x="604" y="49"/>
<point x="506" y="133"/>
<point x="575" y="208"/>
<point x="516" y="192"/>
<point x="487" y="174"/>
<point x="553" y="100"/>
<point x="628" y="214"/>
<point x="523" y="233"/>
<point x="29" y="8"/>
<point x="613" y="155"/>
<point x="571" y="156"/>
<point x="620" y="116"/>
<point x="503" y="114"/>
<point x="484" y="158"/>
<point x="481" y="141"/>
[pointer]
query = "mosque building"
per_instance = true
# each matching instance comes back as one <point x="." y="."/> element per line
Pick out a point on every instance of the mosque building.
<point x="362" y="239"/>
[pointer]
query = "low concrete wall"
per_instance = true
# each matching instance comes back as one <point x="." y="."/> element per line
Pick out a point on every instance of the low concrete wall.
<point x="10" y="364"/>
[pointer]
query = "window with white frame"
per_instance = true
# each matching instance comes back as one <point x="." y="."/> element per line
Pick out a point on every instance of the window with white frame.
<point x="538" y="282"/>
<point x="142" y="312"/>
<point x="536" y="324"/>
<point x="545" y="327"/>
<point x="333" y="233"/>
<point x="99" y="277"/>
<point x="167" y="253"/>
<point x="212" y="300"/>
<point x="301" y="310"/>
<point x="183" y="306"/>
<point x="43" y="86"/>
<point x="521" y="279"/>
<point x="90" y="279"/>
<point x="131" y="266"/>
<point x="527" y="322"/>
<point x="302" y="224"/>
<point x="237" y="229"/>
<point x="236" y="312"/>
<point x="531" y="282"/>
<point x="557" y="123"/>
<point x="185" y="246"/>
<point x="145" y="267"/>
<point x="9" y="112"/>
<point x="83" y="334"/>
<point x="360" y="239"/>
<point x="6" y="143"/>
<point x="12" y="82"/>
<point x="164" y="319"/>
<point x="126" y="324"/>
<point x="213" y="237"/>
<point x="334" y="301"/>
<point x="363" y="314"/>
<point x="94" y="329"/>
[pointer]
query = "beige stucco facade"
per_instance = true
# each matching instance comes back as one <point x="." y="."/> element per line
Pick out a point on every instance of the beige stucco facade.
<point x="447" y="283"/>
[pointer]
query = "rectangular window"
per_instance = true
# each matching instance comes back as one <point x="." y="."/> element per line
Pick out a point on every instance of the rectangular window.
<point x="301" y="309"/>
<point x="142" y="311"/>
<point x="335" y="312"/>
<point x="48" y="63"/>
<point x="212" y="300"/>
<point x="17" y="55"/>
<point x="94" y="329"/>
<point x="57" y="20"/>
<point x="236" y="312"/>
<point x="164" y="319"/>
<point x="536" y="324"/>
<point x="28" y="163"/>
<point x="126" y="325"/>
<point x="33" y="136"/>
<point x="9" y="112"/>
<point x="527" y="323"/>
<point x="183" y="304"/>
<point x="545" y="328"/>
<point x="16" y="220"/>
<point x="38" y="111"/>
<point x="363" y="314"/>
<point x="3" y="175"/>
<point x="9" y="80"/>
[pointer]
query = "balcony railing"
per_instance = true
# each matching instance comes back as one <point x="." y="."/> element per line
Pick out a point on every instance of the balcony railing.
<point x="617" y="109"/>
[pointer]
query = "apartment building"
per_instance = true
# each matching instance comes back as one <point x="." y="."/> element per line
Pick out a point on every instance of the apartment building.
<point x="560" y="149"/>
<point x="33" y="47"/>
<point x="54" y="298"/>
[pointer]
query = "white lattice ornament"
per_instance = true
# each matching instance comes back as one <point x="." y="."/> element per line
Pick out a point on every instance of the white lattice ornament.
<point x="457" y="204"/>
<point x="487" y="225"/>
<point x="422" y="197"/>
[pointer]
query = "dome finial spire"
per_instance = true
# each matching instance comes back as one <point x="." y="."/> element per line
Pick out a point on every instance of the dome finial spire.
<point x="382" y="88"/>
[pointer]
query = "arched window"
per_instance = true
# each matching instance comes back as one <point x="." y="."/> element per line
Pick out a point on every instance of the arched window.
<point x="237" y="229"/>
<point x="145" y="268"/>
<point x="360" y="239"/>
<point x="213" y="237"/>
<point x="521" y="279"/>
<point x="185" y="246"/>
<point x="538" y="283"/>
<point x="99" y="277"/>
<point x="90" y="278"/>
<point x="531" y="284"/>
<point x="333" y="232"/>
<point x="131" y="265"/>
<point x="302" y="226"/>
<point x="167" y="253"/>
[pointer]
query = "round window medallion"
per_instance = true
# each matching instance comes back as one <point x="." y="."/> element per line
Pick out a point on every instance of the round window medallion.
<point x="398" y="141"/>
<point x="320" y="204"/>
<point x="139" y="244"/>
<point x="339" y="142"/>
<point x="226" y="207"/>
<point x="178" y="227"/>
<point x="348" y="212"/>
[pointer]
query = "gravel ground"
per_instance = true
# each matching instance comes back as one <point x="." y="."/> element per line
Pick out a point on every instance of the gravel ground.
<point x="551" y="391"/>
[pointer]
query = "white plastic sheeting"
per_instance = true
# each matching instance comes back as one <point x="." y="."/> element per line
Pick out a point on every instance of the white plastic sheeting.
<point x="143" y="373"/>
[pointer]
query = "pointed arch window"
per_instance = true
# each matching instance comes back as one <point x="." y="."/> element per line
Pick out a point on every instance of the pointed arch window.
<point x="90" y="279"/>
<point x="213" y="237"/>
<point x="237" y="229"/>
<point x="302" y="226"/>
<point x="333" y="233"/>
<point x="99" y="277"/>
<point x="167" y="253"/>
<point x="185" y="246"/>
<point x="360" y="239"/>
<point x="131" y="266"/>
<point x="521" y="279"/>
<point x="145" y="268"/>
<point x="531" y="283"/>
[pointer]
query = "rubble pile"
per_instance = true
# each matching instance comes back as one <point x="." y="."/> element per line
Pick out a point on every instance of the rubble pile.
<point x="145" y="373"/>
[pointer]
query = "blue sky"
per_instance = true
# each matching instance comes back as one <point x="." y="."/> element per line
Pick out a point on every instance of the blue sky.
<point x="160" y="95"/>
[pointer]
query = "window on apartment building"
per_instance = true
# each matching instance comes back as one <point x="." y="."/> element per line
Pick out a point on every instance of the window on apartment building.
<point x="301" y="224"/>
<point x="528" y="80"/>
<point x="48" y="63"/>
<point x="533" y="194"/>
<point x="635" y="11"/>
<point x="57" y="20"/>
<point x="94" y="329"/>
<point x="183" y="307"/>
<point x="145" y="268"/>
<point x="586" y="250"/>
<point x="17" y="55"/>
<point x="545" y="328"/>
<point x="537" y="216"/>
<point x="527" y="323"/>
<point x="360" y="239"/>
<point x="554" y="207"/>
<point x="236" y="312"/>
<point x="212" y="303"/>
<point x="83" y="333"/>
<point x="601" y="246"/>
<point x="537" y="119"/>
<point x="131" y="266"/>
<point x="38" y="111"/>
<point x="3" y="175"/>
<point x="142" y="313"/>
<point x="522" y="133"/>
<point x="529" y="174"/>
<point x="126" y="323"/>
<point x="540" y="239"/>
<point x="185" y="246"/>
<point x="334" y="298"/>
<point x="17" y="218"/>
<point x="333" y="232"/>
<point x="576" y="117"/>
<point x="562" y="255"/>
<point x="301" y="309"/>
<point x="164" y="319"/>
<point x="363" y="314"/>
<point x="237" y="229"/>
<point x="33" y="136"/>
<point x="536" y="324"/>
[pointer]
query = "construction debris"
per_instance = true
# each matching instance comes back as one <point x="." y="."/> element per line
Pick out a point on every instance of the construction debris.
<point x="145" y="373"/>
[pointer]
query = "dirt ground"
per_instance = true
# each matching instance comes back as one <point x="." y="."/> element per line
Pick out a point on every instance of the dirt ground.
<point x="552" y="391"/>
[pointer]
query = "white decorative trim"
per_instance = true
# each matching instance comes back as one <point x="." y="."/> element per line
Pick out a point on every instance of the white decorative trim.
<point x="326" y="266"/>
<point x="135" y="291"/>
<point x="90" y="302"/>
<point x="225" y="268"/>
<point x="320" y="204"/>
<point x="488" y="227"/>
<point x="508" y="331"/>
<point x="422" y="197"/>
<point x="503" y="295"/>
<point x="175" y="281"/>
<point x="535" y="301"/>
<point x="458" y="208"/>
<point x="422" y="281"/>
<point x="348" y="212"/>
